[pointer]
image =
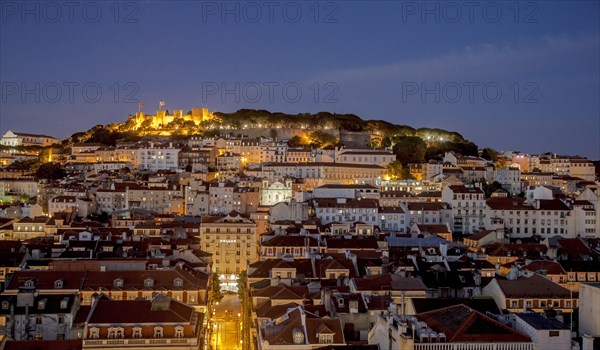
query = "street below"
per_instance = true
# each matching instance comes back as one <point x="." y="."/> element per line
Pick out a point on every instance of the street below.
<point x="226" y="324"/>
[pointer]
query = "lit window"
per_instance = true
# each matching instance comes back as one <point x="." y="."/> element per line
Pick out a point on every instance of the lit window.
<point x="326" y="338"/>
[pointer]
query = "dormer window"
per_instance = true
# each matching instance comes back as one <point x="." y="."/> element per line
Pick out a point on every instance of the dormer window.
<point x="118" y="282"/>
<point x="42" y="304"/>
<point x="5" y="305"/>
<point x="179" y="332"/>
<point x="137" y="332"/>
<point x="158" y="332"/>
<point x="341" y="302"/>
<point x="148" y="283"/>
<point x="178" y="282"/>
<point x="64" y="303"/>
<point x="30" y="284"/>
<point x="58" y="284"/>
<point x="325" y="338"/>
<point x="94" y="333"/>
<point x="116" y="333"/>
<point x="298" y="337"/>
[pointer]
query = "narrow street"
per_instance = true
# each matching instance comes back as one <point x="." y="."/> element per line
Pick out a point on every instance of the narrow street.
<point x="226" y="324"/>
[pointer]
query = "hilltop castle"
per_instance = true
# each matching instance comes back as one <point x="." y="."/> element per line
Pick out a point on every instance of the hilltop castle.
<point x="163" y="117"/>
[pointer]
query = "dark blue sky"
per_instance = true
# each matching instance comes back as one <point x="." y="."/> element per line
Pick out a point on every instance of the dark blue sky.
<point x="510" y="75"/>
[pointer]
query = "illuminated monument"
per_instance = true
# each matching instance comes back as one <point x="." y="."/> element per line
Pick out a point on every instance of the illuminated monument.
<point x="163" y="117"/>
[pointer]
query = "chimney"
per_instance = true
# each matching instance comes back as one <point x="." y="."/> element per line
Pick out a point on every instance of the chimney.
<point x="444" y="249"/>
<point x="513" y="274"/>
<point x="587" y="342"/>
<point x="353" y="307"/>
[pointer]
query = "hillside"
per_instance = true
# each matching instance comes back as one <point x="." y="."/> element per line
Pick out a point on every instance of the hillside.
<point x="410" y="144"/>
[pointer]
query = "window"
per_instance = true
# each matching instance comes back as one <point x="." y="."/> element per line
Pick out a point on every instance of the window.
<point x="158" y="332"/>
<point x="137" y="332"/>
<point x="118" y="282"/>
<point x="94" y="333"/>
<point x="325" y="338"/>
<point x="178" y="282"/>
<point x="58" y="284"/>
<point x="179" y="332"/>
<point x="148" y="283"/>
<point x="554" y="333"/>
<point x="115" y="333"/>
<point x="298" y="337"/>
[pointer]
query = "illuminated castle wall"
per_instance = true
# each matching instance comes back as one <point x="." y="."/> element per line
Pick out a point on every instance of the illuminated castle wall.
<point x="161" y="118"/>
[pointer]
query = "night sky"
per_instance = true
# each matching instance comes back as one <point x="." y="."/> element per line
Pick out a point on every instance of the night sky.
<point x="509" y="75"/>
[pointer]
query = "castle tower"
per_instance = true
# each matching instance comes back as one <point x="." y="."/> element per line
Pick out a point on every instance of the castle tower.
<point x="160" y="117"/>
<point x="205" y="114"/>
<point x="139" y="119"/>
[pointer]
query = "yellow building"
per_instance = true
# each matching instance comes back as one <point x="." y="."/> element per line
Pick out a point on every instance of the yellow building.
<point x="231" y="240"/>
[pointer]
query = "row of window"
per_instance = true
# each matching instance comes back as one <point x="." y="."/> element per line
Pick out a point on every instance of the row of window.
<point x="347" y="211"/>
<point x="516" y="303"/>
<point x="543" y="230"/>
<point x="119" y="332"/>
<point x="468" y="196"/>
<point x="208" y="230"/>
<point x="353" y="218"/>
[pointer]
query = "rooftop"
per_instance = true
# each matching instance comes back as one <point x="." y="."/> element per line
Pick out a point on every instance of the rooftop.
<point x="538" y="321"/>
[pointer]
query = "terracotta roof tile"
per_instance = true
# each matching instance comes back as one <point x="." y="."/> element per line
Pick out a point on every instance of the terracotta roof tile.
<point x="463" y="324"/>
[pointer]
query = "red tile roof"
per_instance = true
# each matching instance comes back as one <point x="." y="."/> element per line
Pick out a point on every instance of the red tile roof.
<point x="546" y="266"/>
<point x="535" y="286"/>
<point x="387" y="282"/>
<point x="139" y="312"/>
<point x="361" y="242"/>
<point x="44" y="345"/>
<point x="462" y="324"/>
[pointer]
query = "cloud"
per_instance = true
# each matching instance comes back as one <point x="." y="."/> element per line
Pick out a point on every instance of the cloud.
<point x="484" y="61"/>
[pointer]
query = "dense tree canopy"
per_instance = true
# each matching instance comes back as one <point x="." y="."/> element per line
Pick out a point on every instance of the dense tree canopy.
<point x="295" y="141"/>
<point x="50" y="171"/>
<point x="321" y="139"/>
<point x="410" y="149"/>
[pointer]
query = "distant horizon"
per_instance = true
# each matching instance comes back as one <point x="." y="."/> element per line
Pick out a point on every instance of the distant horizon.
<point x="146" y="111"/>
